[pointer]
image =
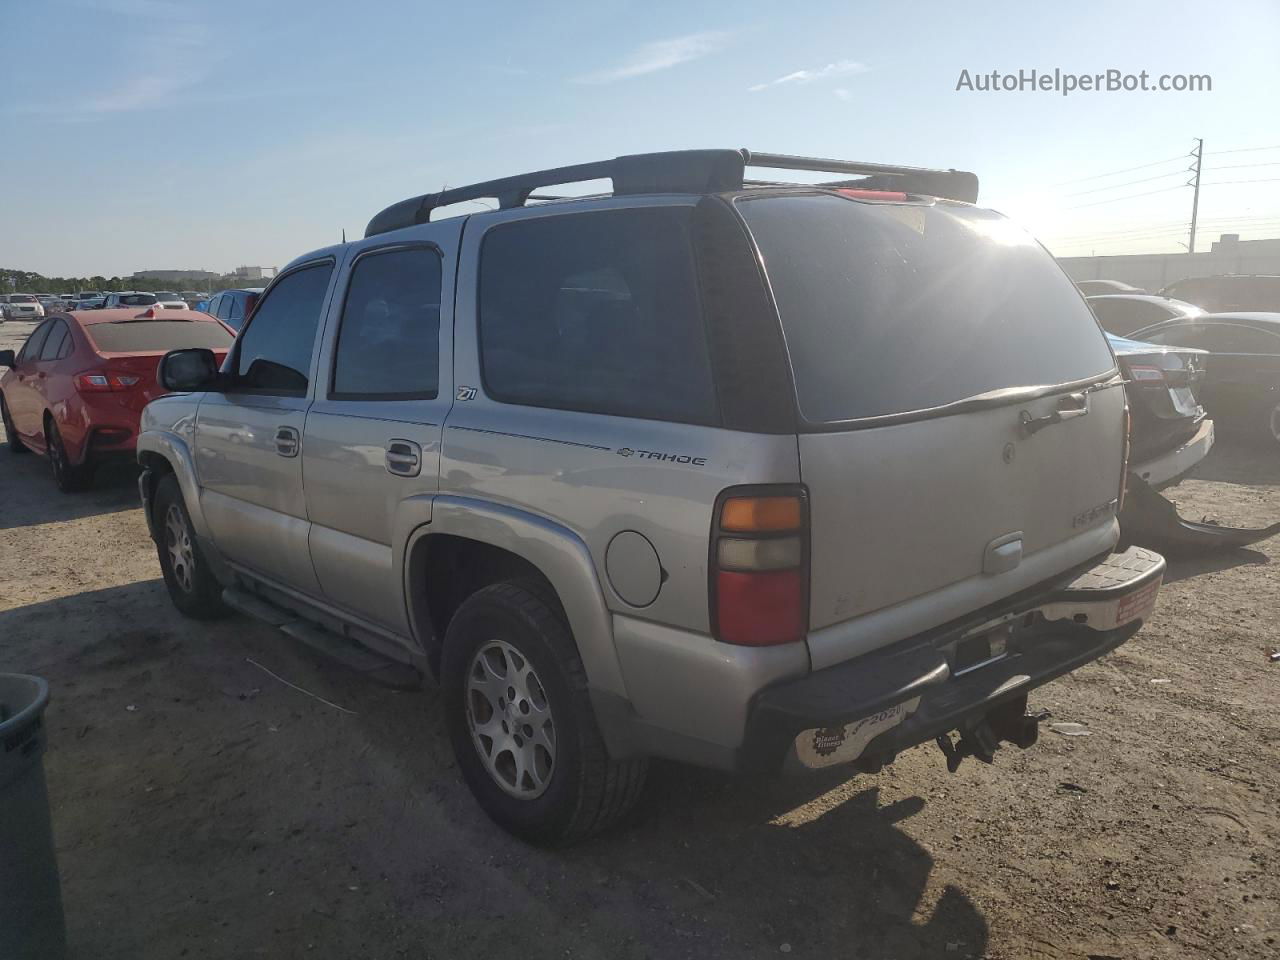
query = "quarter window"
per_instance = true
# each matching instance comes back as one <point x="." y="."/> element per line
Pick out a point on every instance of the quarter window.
<point x="274" y="352"/>
<point x="389" y="340"/>
<point x="596" y="312"/>
<point x="54" y="343"/>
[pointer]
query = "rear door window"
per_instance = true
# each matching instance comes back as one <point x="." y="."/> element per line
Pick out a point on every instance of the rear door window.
<point x="389" y="341"/>
<point x="1236" y="338"/>
<point x="899" y="308"/>
<point x="274" y="352"/>
<point x="35" y="343"/>
<point x="596" y="312"/>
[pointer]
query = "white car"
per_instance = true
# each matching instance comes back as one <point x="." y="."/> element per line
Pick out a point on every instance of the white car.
<point x="21" y="306"/>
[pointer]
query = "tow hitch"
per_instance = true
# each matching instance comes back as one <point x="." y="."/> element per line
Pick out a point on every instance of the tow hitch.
<point x="1151" y="520"/>
<point x="1007" y="723"/>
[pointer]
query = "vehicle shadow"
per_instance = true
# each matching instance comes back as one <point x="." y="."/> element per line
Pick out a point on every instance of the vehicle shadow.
<point x="1240" y="458"/>
<point x="820" y="863"/>
<point x="1187" y="562"/>
<point x="29" y="498"/>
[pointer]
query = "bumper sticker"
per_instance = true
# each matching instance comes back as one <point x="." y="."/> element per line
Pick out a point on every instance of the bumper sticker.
<point x="828" y="746"/>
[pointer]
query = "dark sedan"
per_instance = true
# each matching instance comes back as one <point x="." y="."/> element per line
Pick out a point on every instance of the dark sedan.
<point x="1170" y="432"/>
<point x="1123" y="313"/>
<point x="1242" y="372"/>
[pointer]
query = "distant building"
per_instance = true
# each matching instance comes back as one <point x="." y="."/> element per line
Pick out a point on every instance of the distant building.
<point x="175" y="276"/>
<point x="254" y="273"/>
<point x="1153" y="271"/>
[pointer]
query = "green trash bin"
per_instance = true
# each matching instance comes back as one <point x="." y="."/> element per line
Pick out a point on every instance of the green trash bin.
<point x="31" y="926"/>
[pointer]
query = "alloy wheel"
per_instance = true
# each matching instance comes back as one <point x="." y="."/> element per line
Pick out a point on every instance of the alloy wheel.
<point x="181" y="554"/>
<point x="511" y="720"/>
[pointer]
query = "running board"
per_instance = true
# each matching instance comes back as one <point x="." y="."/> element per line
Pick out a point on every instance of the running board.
<point x="1150" y="519"/>
<point x="353" y="656"/>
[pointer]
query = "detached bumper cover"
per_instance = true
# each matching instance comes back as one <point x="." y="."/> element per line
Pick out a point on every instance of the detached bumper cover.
<point x="872" y="707"/>
<point x="1171" y="464"/>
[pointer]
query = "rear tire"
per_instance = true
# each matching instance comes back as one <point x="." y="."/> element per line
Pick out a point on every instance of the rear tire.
<point x="507" y="638"/>
<point x="67" y="476"/>
<point x="11" y="434"/>
<point x="192" y="587"/>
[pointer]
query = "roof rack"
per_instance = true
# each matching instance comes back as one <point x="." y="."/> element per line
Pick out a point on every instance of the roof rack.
<point x="680" y="171"/>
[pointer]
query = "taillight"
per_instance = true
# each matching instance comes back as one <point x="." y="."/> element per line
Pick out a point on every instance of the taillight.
<point x="1124" y="463"/>
<point x="759" y="566"/>
<point x="1145" y="373"/>
<point x="99" y="381"/>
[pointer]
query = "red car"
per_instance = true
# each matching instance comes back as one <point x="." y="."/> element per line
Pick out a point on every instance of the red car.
<point x="76" y="389"/>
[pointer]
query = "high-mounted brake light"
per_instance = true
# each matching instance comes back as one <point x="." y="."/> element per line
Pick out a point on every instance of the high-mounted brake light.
<point x="759" y="567"/>
<point x="887" y="196"/>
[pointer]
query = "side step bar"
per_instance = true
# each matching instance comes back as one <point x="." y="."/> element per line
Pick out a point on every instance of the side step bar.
<point x="353" y="656"/>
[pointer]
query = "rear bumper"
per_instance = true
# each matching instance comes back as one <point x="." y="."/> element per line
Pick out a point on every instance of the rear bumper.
<point x="1171" y="464"/>
<point x="870" y="708"/>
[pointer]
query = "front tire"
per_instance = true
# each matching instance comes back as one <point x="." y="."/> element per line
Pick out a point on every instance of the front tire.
<point x="521" y="722"/>
<point x="11" y="434"/>
<point x="192" y="587"/>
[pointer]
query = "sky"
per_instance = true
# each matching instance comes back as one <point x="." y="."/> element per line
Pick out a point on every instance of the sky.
<point x="174" y="134"/>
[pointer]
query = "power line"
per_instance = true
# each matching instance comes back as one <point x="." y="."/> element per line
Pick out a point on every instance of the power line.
<point x="1099" y="176"/>
<point x="1132" y="196"/>
<point x="1212" y="153"/>
<point x="1227" y="183"/>
<point x="1127" y="183"/>
<point x="1241" y="166"/>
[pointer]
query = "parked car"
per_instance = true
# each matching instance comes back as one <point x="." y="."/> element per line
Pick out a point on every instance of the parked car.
<point x="1229" y="293"/>
<point x="1093" y="288"/>
<point x="1242" y="371"/>
<point x="21" y="306"/>
<point x="619" y="493"/>
<point x="1170" y="432"/>
<point x="75" y="390"/>
<point x="193" y="297"/>
<point x="89" y="303"/>
<point x="232" y="306"/>
<point x="1123" y="313"/>
<point x="128" y="298"/>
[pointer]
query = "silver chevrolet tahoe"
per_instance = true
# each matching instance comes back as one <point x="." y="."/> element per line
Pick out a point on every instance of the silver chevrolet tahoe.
<point x="750" y="474"/>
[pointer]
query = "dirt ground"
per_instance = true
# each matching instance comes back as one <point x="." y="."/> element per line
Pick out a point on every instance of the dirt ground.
<point x="205" y="809"/>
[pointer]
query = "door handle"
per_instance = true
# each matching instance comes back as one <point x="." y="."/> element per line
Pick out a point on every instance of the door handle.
<point x="1069" y="407"/>
<point x="404" y="458"/>
<point x="287" y="441"/>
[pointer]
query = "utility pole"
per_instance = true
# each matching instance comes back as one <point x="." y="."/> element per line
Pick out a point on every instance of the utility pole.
<point x="1197" y="155"/>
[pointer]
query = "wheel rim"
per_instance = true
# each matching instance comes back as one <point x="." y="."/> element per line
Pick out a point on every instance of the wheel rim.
<point x="182" y="559"/>
<point x="510" y="720"/>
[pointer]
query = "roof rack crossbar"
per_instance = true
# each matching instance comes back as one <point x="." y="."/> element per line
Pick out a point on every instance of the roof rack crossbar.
<point x="948" y="184"/>
<point x="678" y="171"/>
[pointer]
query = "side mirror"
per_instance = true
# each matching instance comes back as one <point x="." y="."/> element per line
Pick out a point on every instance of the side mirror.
<point x="7" y="359"/>
<point x="202" y="306"/>
<point x="185" y="371"/>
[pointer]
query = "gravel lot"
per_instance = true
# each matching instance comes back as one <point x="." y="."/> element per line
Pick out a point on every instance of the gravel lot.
<point x="205" y="809"/>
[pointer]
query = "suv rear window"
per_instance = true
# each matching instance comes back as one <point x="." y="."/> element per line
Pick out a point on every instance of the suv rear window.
<point x="140" y="336"/>
<point x="895" y="308"/>
<point x="596" y="312"/>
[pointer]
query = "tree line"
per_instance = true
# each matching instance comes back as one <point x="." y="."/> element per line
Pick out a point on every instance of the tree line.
<point x="26" y="281"/>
